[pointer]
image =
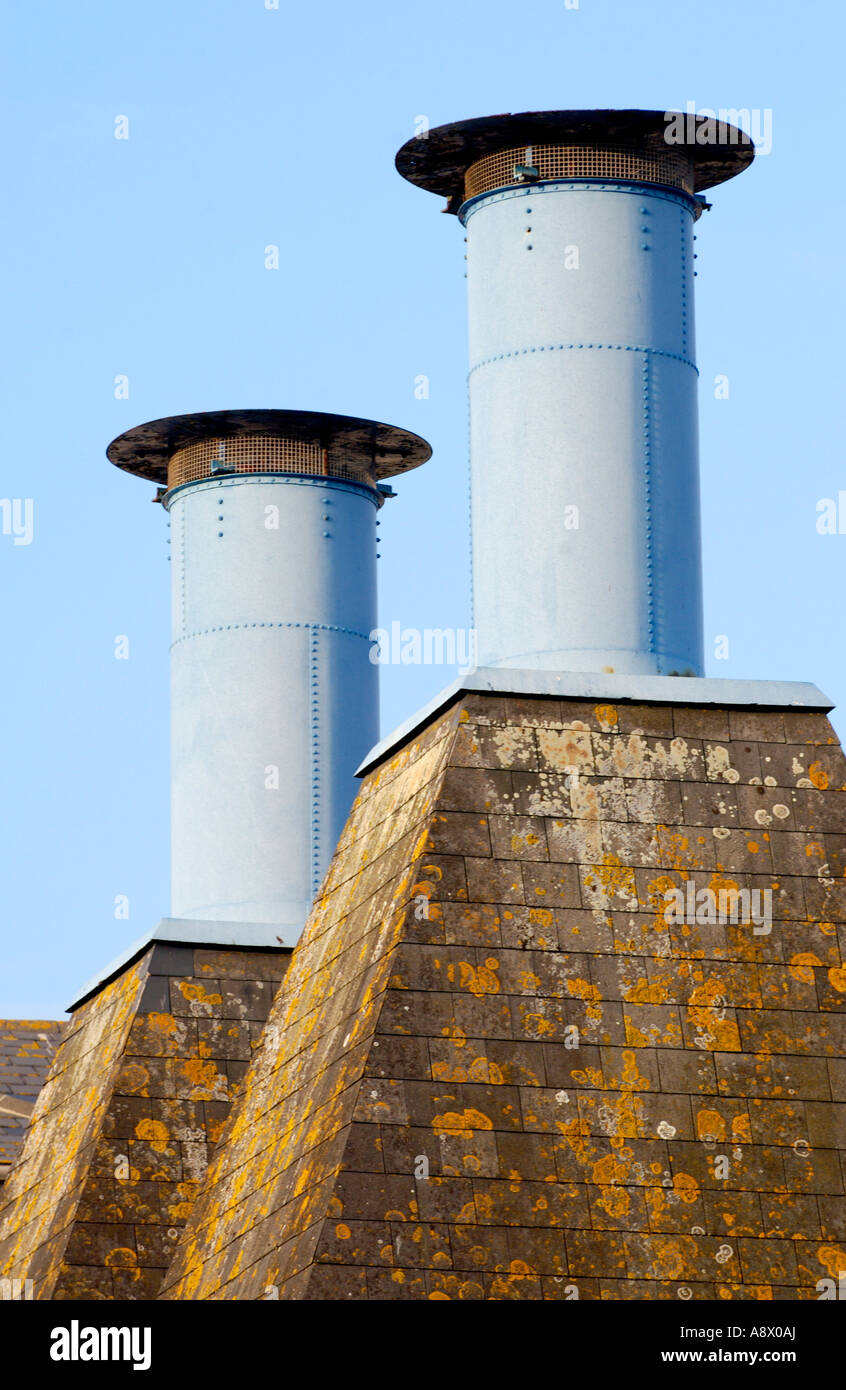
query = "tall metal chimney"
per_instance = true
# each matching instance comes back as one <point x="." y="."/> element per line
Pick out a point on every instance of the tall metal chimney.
<point x="274" y="698"/>
<point x="584" y="452"/>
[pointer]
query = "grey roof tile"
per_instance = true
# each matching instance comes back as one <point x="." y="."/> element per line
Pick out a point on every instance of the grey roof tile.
<point x="27" y="1047"/>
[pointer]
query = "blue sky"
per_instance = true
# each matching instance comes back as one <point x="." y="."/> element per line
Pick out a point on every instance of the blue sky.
<point x="144" y="257"/>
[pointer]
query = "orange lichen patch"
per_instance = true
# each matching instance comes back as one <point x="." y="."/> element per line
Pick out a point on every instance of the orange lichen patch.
<point x="676" y="1257"/>
<point x="622" y="1115"/>
<point x="656" y="1200"/>
<point x="818" y="776"/>
<point x="706" y="1012"/>
<point x="135" y="1079"/>
<point x="342" y="1232"/>
<point x="203" y="1076"/>
<point x="801" y="966"/>
<point x="761" y="1293"/>
<point x="608" y="1171"/>
<point x="538" y="916"/>
<point x="606" y="716"/>
<point x="456" y="1034"/>
<point x="538" y="1026"/>
<point x="616" y="1202"/>
<point x="455" y="1122"/>
<point x="657" y="890"/>
<point x="178" y="1212"/>
<point x="753" y="847"/>
<point x="154" y="1133"/>
<point x="629" y="1077"/>
<point x="197" y="993"/>
<point x="479" y="1070"/>
<point x="721" y="883"/>
<point x="528" y="982"/>
<point x="632" y="1079"/>
<point x="478" y="981"/>
<point x="710" y="1124"/>
<point x="741" y="1129"/>
<point x="837" y="978"/>
<point x="674" y="848"/>
<point x="575" y="1134"/>
<point x="833" y="1260"/>
<point x="583" y="989"/>
<point x="662" y="1033"/>
<point x="590" y="1076"/>
<point x="165" y="1024"/>
<point x="615" y="878"/>
<point x="425" y="889"/>
<point x="645" y="991"/>
<point x="685" y="1187"/>
<point x="519" y="843"/>
<point x="121" y="1258"/>
<point x="635" y="1037"/>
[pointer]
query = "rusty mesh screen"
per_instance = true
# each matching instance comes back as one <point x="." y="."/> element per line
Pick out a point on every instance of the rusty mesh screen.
<point x="264" y="453"/>
<point x="579" y="162"/>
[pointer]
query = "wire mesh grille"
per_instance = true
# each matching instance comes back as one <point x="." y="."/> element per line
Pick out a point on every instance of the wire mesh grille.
<point x="502" y="168"/>
<point x="264" y="453"/>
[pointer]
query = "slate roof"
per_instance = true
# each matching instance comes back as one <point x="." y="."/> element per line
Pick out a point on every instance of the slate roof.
<point x="141" y="1085"/>
<point x="27" y="1047"/>
<point x="499" y="1068"/>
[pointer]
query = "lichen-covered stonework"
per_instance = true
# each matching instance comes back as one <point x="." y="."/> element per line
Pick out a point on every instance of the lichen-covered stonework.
<point x="123" y="1127"/>
<point x="27" y="1047"/>
<point x="496" y="1069"/>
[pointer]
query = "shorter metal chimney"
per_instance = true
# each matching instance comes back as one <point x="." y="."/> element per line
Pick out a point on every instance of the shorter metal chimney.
<point x="274" y="698"/>
<point x="583" y="413"/>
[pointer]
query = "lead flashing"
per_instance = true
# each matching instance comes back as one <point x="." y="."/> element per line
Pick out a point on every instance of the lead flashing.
<point x="176" y="931"/>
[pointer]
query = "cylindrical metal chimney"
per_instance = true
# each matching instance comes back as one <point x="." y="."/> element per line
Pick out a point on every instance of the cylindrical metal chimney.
<point x="274" y="698"/>
<point x="584" y="452"/>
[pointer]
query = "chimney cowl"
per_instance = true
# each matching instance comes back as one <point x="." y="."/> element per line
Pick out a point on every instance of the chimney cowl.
<point x="439" y="160"/>
<point x="380" y="450"/>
